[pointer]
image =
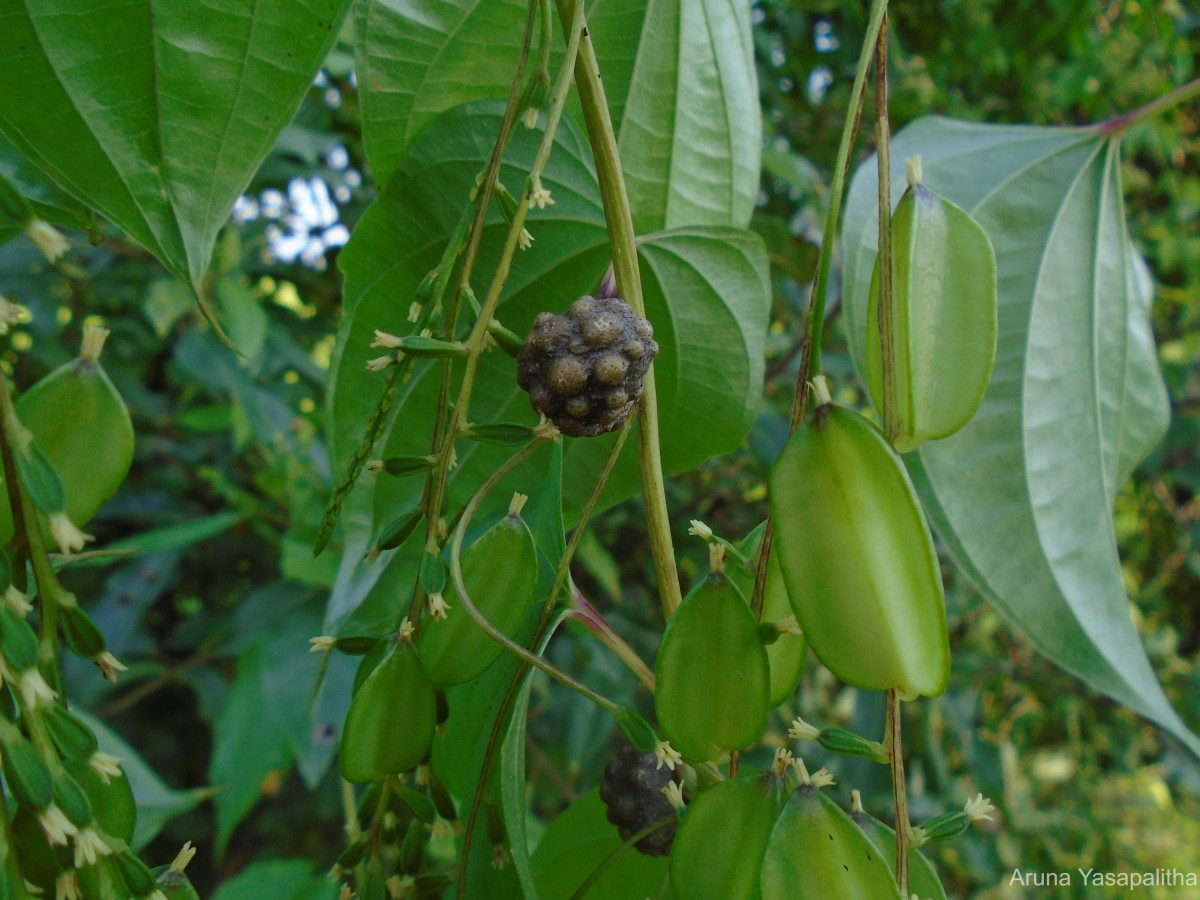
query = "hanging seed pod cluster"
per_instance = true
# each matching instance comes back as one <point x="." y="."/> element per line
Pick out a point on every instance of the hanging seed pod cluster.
<point x="584" y="370"/>
<point x="853" y="544"/>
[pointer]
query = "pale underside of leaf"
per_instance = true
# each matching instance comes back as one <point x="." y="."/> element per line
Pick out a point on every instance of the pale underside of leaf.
<point x="1022" y="496"/>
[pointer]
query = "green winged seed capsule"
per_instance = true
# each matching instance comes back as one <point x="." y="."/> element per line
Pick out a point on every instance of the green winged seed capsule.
<point x="499" y="572"/>
<point x="816" y="850"/>
<point x="719" y="847"/>
<point x="714" y="688"/>
<point x="858" y="557"/>
<point x="80" y="420"/>
<point x="785" y="653"/>
<point x="25" y="771"/>
<point x="922" y="879"/>
<point x="943" y="315"/>
<point x="73" y="738"/>
<point x="389" y="728"/>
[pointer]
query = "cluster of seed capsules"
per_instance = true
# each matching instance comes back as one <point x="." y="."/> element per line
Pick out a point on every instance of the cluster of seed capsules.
<point x="584" y="370"/>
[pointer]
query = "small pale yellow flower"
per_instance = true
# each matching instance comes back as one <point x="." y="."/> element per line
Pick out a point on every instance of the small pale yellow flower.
<point x="89" y="847"/>
<point x="110" y="666"/>
<point x="322" y="643"/>
<point x="105" y="765"/>
<point x="979" y="808"/>
<point x="667" y="755"/>
<point x="385" y="341"/>
<point x="57" y="826"/>
<point x="34" y="690"/>
<point x="531" y="117"/>
<point x="540" y="197"/>
<point x="674" y="794"/>
<point x="525" y="239"/>
<point x="407" y="629"/>
<point x="49" y="241"/>
<point x="802" y="731"/>
<point x="68" y="537"/>
<point x="379" y="363"/>
<point x="66" y="886"/>
<point x="438" y="607"/>
<point x="17" y="602"/>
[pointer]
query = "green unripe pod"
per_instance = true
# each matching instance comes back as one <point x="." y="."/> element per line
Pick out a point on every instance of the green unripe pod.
<point x="25" y="771"/>
<point x="389" y="728"/>
<point x="135" y="875"/>
<point x="412" y="849"/>
<point x="418" y="804"/>
<point x="816" y="850"/>
<point x="510" y="434"/>
<point x="499" y="572"/>
<point x="73" y="738"/>
<point x="72" y="799"/>
<point x="858" y="558"/>
<point x="943" y="317"/>
<point x="922" y="878"/>
<point x="82" y="636"/>
<point x="719" y="847"/>
<point x="112" y="801"/>
<point x="18" y="641"/>
<point x="712" y="672"/>
<point x="82" y="424"/>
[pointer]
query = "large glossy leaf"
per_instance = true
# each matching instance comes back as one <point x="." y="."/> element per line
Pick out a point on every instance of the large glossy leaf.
<point x="706" y="293"/>
<point x="1022" y="496"/>
<point x="158" y="113"/>
<point x="688" y="124"/>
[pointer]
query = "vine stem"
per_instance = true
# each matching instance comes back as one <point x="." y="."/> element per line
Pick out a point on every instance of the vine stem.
<point x="886" y="308"/>
<point x="1122" y="123"/>
<point x="446" y="430"/>
<point x="28" y="532"/>
<point x="895" y="747"/>
<point x="545" y="621"/>
<point x="810" y="346"/>
<point x="622" y="242"/>
<point x="887" y="328"/>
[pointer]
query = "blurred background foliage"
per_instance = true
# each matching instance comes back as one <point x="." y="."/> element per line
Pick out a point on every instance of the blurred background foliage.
<point x="231" y="474"/>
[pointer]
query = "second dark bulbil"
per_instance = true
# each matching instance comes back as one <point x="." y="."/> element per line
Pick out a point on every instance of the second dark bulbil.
<point x="584" y="370"/>
<point x="633" y="798"/>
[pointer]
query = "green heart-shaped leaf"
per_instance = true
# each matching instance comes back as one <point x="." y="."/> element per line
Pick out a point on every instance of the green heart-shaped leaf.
<point x="162" y="111"/>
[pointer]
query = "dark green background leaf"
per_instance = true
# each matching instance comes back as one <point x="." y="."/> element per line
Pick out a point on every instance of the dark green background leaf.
<point x="689" y="124"/>
<point x="162" y="111"/>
